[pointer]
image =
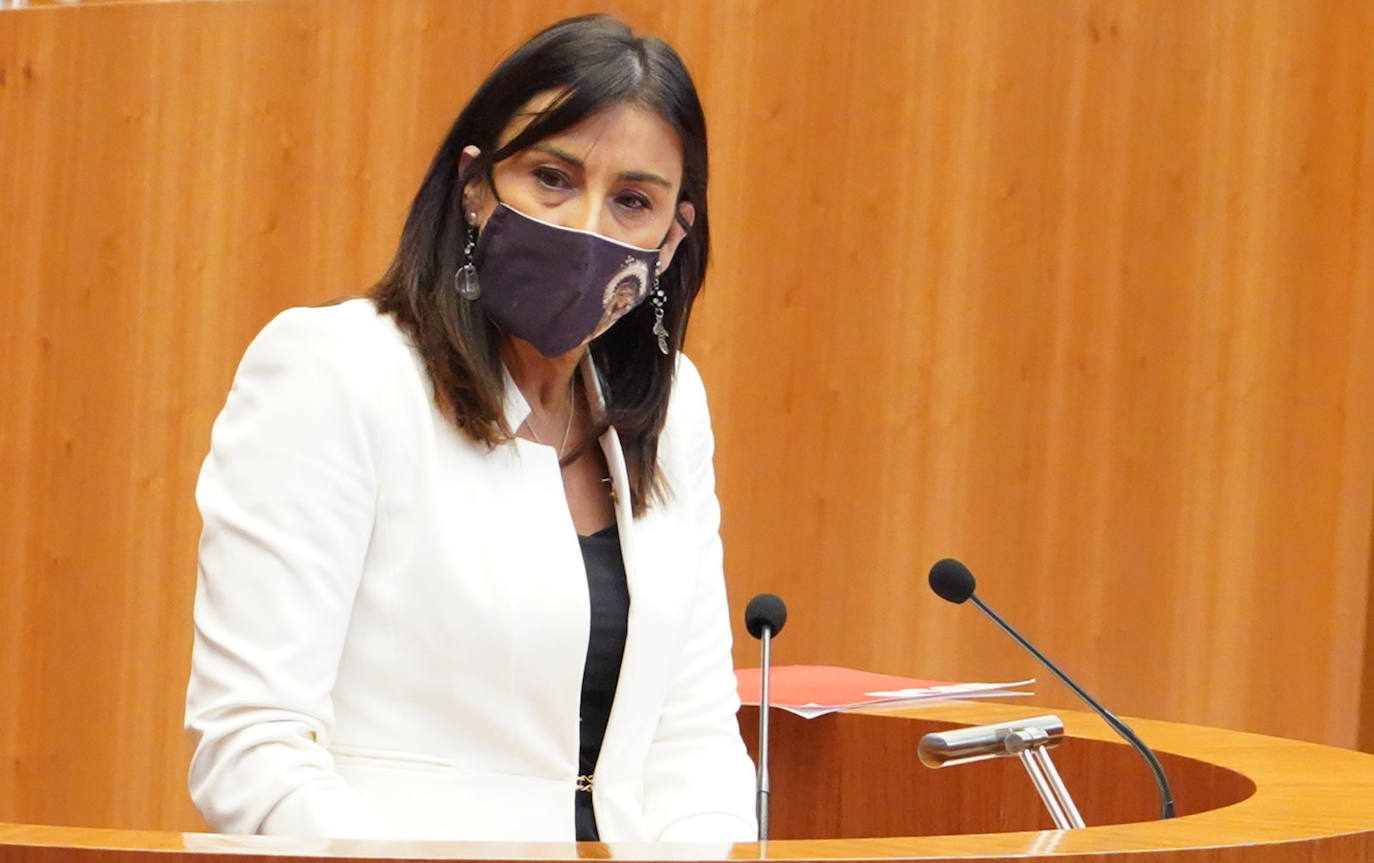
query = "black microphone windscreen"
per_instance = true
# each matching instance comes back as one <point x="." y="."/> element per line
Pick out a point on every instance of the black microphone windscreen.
<point x="764" y="610"/>
<point x="951" y="580"/>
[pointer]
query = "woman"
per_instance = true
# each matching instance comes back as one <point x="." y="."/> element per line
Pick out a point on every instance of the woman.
<point x="460" y="575"/>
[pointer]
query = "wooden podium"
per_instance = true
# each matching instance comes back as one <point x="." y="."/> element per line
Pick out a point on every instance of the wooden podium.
<point x="849" y="787"/>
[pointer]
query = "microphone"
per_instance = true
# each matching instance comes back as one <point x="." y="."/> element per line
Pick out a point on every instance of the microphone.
<point x="953" y="582"/>
<point x="764" y="617"/>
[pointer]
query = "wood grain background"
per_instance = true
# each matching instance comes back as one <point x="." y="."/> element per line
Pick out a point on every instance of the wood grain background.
<point x="1081" y="292"/>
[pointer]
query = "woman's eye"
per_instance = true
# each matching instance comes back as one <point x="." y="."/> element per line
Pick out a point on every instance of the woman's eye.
<point x="635" y="201"/>
<point x="551" y="178"/>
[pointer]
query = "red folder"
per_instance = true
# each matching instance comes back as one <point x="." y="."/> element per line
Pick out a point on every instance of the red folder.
<point x="814" y="690"/>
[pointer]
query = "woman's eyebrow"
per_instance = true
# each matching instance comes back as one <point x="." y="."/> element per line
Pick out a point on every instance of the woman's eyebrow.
<point x="558" y="153"/>
<point x="645" y="177"/>
<point x="628" y="176"/>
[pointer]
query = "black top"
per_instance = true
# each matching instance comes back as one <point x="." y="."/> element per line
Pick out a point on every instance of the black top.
<point x="610" y="606"/>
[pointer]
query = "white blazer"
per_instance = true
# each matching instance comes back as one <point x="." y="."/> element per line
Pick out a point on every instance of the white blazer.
<point x="391" y="622"/>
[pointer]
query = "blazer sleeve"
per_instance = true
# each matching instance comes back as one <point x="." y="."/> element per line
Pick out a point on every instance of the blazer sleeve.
<point x="287" y="497"/>
<point x="699" y="780"/>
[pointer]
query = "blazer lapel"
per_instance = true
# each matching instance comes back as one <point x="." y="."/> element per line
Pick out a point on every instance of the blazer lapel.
<point x="658" y="572"/>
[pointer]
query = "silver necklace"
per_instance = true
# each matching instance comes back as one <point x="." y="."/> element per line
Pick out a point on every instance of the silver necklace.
<point x="567" y="430"/>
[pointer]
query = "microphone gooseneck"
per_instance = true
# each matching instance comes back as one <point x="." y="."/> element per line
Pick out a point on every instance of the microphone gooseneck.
<point x="952" y="581"/>
<point x="764" y="617"/>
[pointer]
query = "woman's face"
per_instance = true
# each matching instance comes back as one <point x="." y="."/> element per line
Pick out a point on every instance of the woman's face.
<point x="617" y="174"/>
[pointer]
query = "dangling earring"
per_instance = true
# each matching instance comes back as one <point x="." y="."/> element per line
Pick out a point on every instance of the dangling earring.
<point x="465" y="280"/>
<point x="659" y="299"/>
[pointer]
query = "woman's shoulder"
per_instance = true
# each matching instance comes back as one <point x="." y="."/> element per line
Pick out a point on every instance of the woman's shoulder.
<point x="686" y="374"/>
<point x="346" y="348"/>
<point x="349" y="335"/>
<point x="352" y="325"/>
<point x="688" y="411"/>
<point x="689" y="390"/>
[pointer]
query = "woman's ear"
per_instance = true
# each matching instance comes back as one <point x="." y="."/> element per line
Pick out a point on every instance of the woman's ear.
<point x="686" y="215"/>
<point x="476" y="193"/>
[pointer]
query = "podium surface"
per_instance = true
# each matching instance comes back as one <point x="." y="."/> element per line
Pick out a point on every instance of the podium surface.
<point x="849" y="787"/>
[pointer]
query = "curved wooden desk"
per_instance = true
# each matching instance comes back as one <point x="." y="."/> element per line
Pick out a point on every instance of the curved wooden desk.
<point x="1242" y="797"/>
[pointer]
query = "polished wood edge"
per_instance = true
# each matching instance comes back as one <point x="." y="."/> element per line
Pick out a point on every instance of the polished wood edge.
<point x="1311" y="802"/>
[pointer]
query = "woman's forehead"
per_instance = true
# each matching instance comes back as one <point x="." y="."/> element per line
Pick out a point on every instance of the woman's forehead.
<point x="624" y="138"/>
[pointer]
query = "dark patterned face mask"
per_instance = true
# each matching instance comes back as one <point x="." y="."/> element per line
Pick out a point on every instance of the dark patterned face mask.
<point x="552" y="286"/>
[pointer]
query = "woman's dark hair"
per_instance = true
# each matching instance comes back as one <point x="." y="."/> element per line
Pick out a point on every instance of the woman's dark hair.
<point x="591" y="63"/>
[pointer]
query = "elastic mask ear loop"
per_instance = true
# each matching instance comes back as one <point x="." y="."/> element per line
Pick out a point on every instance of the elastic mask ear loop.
<point x="491" y="183"/>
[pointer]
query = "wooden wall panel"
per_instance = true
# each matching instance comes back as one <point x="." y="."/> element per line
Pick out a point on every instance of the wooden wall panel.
<point x="1081" y="292"/>
<point x="1076" y="292"/>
